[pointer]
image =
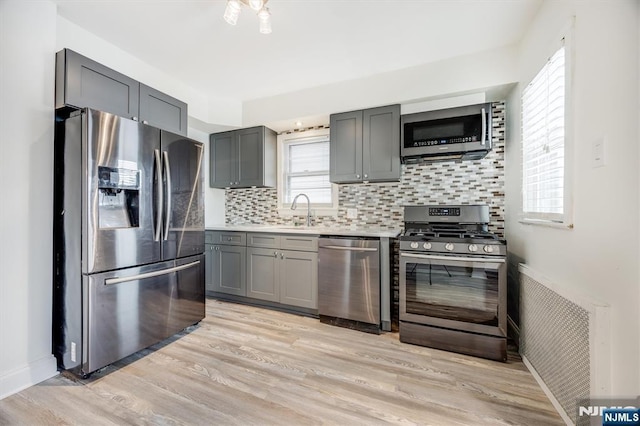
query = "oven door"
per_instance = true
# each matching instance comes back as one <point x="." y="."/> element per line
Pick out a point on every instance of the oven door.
<point x="456" y="292"/>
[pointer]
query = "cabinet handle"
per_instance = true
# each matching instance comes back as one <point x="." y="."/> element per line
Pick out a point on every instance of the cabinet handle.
<point x="229" y="239"/>
<point x="236" y="183"/>
<point x="217" y="248"/>
<point x="366" y="176"/>
<point x="275" y="254"/>
<point x="357" y="176"/>
<point x="281" y="255"/>
<point x="134" y="118"/>
<point x="145" y="122"/>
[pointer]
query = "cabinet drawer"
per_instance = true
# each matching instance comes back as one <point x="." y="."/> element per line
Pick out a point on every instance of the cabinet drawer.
<point x="230" y="238"/>
<point x="299" y="242"/>
<point x="263" y="240"/>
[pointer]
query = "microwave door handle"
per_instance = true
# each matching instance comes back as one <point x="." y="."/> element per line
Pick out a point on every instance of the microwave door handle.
<point x="167" y="174"/>
<point x="159" y="199"/>
<point x="484" y="127"/>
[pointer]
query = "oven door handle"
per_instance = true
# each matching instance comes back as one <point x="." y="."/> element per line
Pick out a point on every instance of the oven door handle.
<point x="453" y="258"/>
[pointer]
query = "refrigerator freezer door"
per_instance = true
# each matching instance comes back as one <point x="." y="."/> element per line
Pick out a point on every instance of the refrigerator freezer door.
<point x="183" y="233"/>
<point x="128" y="310"/>
<point x="118" y="192"/>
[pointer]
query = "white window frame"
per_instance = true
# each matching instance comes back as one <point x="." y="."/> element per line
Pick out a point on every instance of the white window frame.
<point x="564" y="220"/>
<point x="284" y="209"/>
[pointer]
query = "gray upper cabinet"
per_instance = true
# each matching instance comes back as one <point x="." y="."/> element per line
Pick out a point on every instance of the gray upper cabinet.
<point x="243" y="158"/>
<point x="365" y="145"/>
<point x="161" y="110"/>
<point x="82" y="82"/>
<point x="346" y="147"/>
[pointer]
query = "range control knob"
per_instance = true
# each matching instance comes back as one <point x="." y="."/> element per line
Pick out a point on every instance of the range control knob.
<point x="426" y="246"/>
<point x="473" y="248"/>
<point x="414" y="245"/>
<point x="488" y="249"/>
<point x="449" y="246"/>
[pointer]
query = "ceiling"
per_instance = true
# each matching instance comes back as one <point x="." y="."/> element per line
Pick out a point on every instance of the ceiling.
<point x="314" y="42"/>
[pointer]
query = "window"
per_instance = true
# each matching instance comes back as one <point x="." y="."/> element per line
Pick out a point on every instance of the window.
<point x="304" y="168"/>
<point x="544" y="142"/>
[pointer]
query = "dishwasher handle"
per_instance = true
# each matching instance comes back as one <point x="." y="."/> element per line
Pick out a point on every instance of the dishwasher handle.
<point x="346" y="248"/>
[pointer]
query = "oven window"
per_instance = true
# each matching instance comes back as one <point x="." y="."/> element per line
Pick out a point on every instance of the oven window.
<point x="460" y="293"/>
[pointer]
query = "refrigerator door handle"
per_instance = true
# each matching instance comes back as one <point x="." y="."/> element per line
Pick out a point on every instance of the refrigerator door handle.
<point x="159" y="198"/>
<point x="167" y="174"/>
<point x="111" y="281"/>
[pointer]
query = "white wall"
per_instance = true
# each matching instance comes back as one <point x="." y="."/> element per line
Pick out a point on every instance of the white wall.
<point x="27" y="43"/>
<point x="213" y="198"/>
<point x="451" y="77"/>
<point x="201" y="107"/>
<point x="599" y="257"/>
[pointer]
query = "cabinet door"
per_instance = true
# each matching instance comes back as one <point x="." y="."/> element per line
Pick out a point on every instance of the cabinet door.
<point x="81" y="82"/>
<point x="299" y="279"/>
<point x="346" y="147"/>
<point x="250" y="154"/>
<point x="229" y="269"/>
<point x="222" y="160"/>
<point x="381" y="144"/>
<point x="163" y="111"/>
<point x="262" y="273"/>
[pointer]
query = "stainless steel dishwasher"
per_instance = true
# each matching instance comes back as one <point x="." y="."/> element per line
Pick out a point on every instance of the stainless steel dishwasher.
<point x="349" y="282"/>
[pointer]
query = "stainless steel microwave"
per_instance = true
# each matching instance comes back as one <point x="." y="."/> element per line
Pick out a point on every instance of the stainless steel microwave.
<point x="453" y="133"/>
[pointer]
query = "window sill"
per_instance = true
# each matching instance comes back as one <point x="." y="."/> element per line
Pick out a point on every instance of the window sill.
<point x="546" y="223"/>
<point x="301" y="211"/>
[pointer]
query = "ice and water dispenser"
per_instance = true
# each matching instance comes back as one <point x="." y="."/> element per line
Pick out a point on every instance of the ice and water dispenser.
<point x="119" y="197"/>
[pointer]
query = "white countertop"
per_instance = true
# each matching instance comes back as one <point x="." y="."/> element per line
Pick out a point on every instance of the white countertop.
<point x="311" y="230"/>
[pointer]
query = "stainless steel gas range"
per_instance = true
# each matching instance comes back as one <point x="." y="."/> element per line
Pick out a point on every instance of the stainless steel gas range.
<point x="453" y="281"/>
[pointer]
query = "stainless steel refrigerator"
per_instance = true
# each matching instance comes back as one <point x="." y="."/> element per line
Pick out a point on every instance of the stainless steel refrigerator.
<point x="128" y="238"/>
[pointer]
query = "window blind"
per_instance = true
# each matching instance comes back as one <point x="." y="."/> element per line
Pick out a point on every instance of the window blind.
<point x="307" y="171"/>
<point x="543" y="141"/>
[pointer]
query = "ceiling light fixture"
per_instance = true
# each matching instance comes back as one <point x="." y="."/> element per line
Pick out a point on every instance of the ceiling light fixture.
<point x="232" y="12"/>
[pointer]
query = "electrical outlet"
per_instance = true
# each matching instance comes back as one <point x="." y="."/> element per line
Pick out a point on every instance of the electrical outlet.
<point x="598" y="157"/>
<point x="352" y="213"/>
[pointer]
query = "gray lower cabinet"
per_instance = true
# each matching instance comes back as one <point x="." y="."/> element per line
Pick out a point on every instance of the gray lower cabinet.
<point x="82" y="82"/>
<point x="277" y="274"/>
<point x="226" y="259"/>
<point x="263" y="274"/>
<point x="299" y="279"/>
<point x="365" y="145"/>
<point x="243" y="158"/>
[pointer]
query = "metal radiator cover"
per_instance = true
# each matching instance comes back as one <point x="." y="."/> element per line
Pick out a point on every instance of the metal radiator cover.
<point x="555" y="340"/>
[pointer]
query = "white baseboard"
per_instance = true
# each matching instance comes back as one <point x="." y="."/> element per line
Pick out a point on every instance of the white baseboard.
<point x="546" y="390"/>
<point x="35" y="372"/>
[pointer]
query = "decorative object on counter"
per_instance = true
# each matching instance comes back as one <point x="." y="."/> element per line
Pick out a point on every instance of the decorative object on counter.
<point x="234" y="7"/>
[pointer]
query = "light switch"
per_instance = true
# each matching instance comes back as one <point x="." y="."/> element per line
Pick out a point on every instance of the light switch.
<point x="352" y="213"/>
<point x="598" y="156"/>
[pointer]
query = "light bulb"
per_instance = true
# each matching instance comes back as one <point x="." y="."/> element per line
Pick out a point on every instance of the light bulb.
<point x="256" y="4"/>
<point x="232" y="12"/>
<point x="265" y="21"/>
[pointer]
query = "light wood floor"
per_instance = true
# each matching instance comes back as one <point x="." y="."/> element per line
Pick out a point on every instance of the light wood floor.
<point x="245" y="365"/>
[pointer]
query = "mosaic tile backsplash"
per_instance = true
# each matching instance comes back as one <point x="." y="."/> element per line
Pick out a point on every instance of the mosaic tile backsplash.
<point x="381" y="204"/>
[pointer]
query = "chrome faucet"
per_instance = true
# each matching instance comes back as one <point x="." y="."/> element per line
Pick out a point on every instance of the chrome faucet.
<point x="294" y="205"/>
